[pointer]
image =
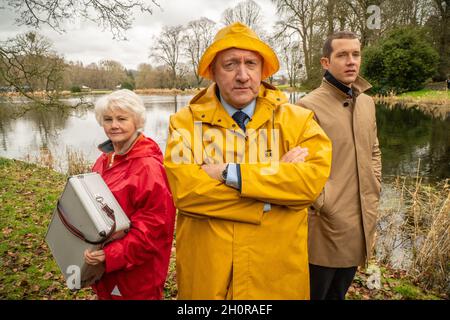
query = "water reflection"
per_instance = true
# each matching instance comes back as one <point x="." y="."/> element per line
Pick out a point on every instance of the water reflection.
<point x="61" y="129"/>
<point x="406" y="134"/>
<point x="294" y="96"/>
<point x="409" y="134"/>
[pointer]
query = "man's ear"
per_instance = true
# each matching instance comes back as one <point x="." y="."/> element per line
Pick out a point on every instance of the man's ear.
<point x="211" y="71"/>
<point x="325" y="62"/>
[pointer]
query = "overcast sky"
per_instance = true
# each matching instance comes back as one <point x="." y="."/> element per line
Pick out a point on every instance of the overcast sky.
<point x="87" y="43"/>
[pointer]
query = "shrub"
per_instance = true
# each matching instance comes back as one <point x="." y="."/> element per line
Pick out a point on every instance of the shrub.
<point x="400" y="62"/>
<point x="127" y="85"/>
<point x="75" y="89"/>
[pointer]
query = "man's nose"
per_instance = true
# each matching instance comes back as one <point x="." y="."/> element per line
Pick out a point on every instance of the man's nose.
<point x="242" y="73"/>
<point x="351" y="60"/>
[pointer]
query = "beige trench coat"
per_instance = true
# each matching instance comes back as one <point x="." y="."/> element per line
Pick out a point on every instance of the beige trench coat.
<point x="342" y="221"/>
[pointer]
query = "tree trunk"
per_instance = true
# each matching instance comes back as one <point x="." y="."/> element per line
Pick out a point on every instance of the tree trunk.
<point x="444" y="65"/>
<point x="331" y="4"/>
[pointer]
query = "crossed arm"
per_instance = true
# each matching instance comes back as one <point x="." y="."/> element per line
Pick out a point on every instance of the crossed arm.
<point x="297" y="154"/>
<point x="199" y="191"/>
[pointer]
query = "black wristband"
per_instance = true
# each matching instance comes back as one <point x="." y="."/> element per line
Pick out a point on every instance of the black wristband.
<point x="225" y="174"/>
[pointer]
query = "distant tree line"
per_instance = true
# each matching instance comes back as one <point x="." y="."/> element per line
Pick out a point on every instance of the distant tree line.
<point x="302" y="28"/>
<point x="28" y="60"/>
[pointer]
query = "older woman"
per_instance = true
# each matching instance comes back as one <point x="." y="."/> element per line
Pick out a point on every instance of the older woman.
<point x="131" y="165"/>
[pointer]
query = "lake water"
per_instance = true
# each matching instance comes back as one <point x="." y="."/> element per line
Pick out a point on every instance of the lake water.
<point x="406" y="134"/>
<point x="75" y="130"/>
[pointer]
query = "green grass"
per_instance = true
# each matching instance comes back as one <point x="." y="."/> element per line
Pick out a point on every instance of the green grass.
<point x="27" y="270"/>
<point x="286" y="87"/>
<point x="92" y="92"/>
<point x="395" y="285"/>
<point x="283" y="86"/>
<point x="421" y="97"/>
<point x="427" y="93"/>
<point x="28" y="194"/>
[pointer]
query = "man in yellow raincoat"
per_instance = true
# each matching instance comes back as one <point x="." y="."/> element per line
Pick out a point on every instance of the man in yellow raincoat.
<point x="243" y="165"/>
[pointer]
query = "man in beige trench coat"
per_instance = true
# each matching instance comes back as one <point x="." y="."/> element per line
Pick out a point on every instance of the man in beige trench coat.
<point x="342" y="221"/>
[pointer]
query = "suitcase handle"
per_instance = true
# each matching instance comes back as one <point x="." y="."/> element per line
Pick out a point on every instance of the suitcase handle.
<point x="77" y="233"/>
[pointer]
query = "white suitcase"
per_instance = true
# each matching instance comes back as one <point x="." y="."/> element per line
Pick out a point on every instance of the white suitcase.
<point x="87" y="216"/>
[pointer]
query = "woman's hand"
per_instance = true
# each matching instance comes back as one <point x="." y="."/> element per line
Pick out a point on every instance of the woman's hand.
<point x="95" y="257"/>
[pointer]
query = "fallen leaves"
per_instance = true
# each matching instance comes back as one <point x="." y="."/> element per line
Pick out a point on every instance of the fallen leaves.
<point x="6" y="231"/>
<point x="47" y="276"/>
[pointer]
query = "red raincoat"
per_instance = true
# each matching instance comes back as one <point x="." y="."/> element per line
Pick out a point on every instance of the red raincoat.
<point x="136" y="265"/>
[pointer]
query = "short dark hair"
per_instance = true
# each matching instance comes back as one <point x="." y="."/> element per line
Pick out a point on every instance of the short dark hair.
<point x="328" y="49"/>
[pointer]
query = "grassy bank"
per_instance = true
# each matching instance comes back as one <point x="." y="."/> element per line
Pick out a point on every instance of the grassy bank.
<point x="394" y="285"/>
<point x="425" y="96"/>
<point x="150" y="92"/>
<point x="286" y="87"/>
<point x="28" y="194"/>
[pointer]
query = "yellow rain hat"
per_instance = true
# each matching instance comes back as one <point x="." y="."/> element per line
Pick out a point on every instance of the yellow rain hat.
<point x="240" y="36"/>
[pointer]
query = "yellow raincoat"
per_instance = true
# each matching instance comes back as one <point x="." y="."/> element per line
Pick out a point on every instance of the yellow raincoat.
<point x="227" y="247"/>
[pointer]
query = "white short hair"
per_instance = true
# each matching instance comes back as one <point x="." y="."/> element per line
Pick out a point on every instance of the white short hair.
<point x="125" y="100"/>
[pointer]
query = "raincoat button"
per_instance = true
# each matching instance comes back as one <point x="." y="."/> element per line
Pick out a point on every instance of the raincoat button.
<point x="203" y="115"/>
<point x="220" y="120"/>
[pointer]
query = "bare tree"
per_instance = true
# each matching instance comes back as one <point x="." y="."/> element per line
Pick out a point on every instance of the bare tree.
<point x="28" y="63"/>
<point x="290" y="54"/>
<point x="441" y="18"/>
<point x="247" y="12"/>
<point x="198" y="36"/>
<point x="145" y="76"/>
<point x="168" y="49"/>
<point x="115" y="15"/>
<point x="114" y="73"/>
<point x="358" y="18"/>
<point x="406" y="12"/>
<point x="335" y="15"/>
<point x="300" y="17"/>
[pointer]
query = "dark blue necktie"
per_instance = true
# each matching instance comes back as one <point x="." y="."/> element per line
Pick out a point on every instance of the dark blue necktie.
<point x="240" y="117"/>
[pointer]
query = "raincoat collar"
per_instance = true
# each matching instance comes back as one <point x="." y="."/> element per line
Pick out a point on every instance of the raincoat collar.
<point x="141" y="147"/>
<point x="107" y="146"/>
<point x="359" y="86"/>
<point x="206" y="107"/>
<point x="248" y="110"/>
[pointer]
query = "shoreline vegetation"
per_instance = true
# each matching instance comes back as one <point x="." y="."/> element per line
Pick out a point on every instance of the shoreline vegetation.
<point x="425" y="97"/>
<point x="421" y="97"/>
<point x="28" y="193"/>
<point x="151" y="91"/>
